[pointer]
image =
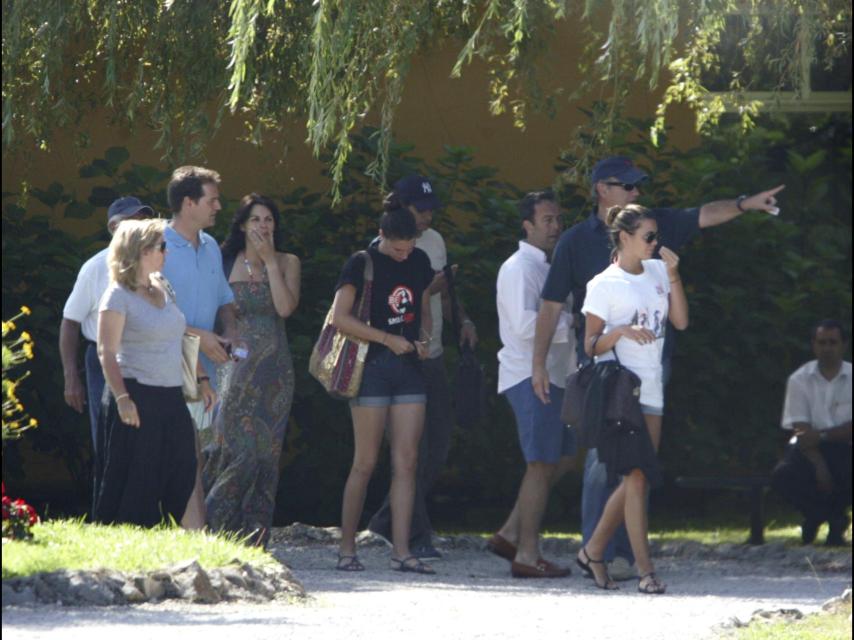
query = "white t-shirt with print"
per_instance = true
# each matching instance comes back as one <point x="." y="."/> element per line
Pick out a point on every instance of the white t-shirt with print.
<point x="432" y="243"/>
<point x="622" y="298"/>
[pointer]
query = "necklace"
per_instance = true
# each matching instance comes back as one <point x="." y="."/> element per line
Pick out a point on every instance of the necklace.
<point x="248" y="266"/>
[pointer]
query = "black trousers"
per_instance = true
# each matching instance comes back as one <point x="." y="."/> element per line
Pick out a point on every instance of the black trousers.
<point x="794" y="479"/>
<point x="148" y="471"/>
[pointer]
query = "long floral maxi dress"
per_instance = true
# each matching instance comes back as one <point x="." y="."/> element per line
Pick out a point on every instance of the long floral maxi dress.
<point x="241" y="472"/>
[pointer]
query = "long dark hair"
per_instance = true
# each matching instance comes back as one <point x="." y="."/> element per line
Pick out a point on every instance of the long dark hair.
<point x="626" y="219"/>
<point x="235" y="241"/>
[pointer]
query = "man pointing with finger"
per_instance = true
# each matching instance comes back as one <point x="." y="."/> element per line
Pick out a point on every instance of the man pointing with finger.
<point x="583" y="252"/>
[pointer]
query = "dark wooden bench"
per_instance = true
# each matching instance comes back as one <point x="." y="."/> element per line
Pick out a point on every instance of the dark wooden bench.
<point x="754" y="486"/>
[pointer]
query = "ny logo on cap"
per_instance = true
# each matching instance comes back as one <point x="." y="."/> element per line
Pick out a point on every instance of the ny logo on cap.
<point x="425" y="186"/>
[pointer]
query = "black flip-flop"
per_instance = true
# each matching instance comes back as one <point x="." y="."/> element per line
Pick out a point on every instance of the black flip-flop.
<point x="415" y="566"/>
<point x="349" y="563"/>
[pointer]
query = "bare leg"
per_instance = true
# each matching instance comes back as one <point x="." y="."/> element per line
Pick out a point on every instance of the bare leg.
<point x="195" y="514"/>
<point x="636" y="519"/>
<point x="533" y="495"/>
<point x="406" y="424"/>
<point x="368" y="428"/>
<point x="510" y="529"/>
<point x="627" y="504"/>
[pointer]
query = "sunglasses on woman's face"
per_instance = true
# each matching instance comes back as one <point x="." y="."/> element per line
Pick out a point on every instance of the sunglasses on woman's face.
<point x="650" y="237"/>
<point x="624" y="185"/>
<point x="162" y="247"/>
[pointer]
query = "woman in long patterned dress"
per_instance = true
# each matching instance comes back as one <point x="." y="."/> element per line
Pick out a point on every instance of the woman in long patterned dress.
<point x="241" y="472"/>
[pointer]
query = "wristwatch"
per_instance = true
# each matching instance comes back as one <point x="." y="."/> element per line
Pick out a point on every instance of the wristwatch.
<point x="738" y="202"/>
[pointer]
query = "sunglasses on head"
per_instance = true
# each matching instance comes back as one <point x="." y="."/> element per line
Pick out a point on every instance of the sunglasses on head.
<point x="625" y="185"/>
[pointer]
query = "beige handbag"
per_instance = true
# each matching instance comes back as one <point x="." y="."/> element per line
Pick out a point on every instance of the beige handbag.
<point x="338" y="360"/>
<point x="189" y="351"/>
<point x="189" y="363"/>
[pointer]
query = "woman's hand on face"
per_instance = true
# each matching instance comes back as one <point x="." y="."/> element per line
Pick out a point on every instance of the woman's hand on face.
<point x="127" y="412"/>
<point x="399" y="345"/>
<point x="637" y="333"/>
<point x="263" y="244"/>
<point x="208" y="394"/>
<point x="671" y="260"/>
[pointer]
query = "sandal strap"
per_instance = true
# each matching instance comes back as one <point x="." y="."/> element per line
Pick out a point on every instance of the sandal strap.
<point x="589" y="559"/>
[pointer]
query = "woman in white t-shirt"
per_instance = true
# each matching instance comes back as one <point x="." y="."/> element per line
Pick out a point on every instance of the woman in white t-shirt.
<point x="627" y="308"/>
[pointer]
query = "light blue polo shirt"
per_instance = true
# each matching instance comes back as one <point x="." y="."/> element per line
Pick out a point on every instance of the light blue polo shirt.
<point x="200" y="285"/>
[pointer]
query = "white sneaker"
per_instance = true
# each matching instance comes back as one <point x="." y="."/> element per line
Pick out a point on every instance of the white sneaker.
<point x="619" y="569"/>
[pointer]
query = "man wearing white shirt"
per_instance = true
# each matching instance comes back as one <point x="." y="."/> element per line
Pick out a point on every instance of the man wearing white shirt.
<point x="545" y="441"/>
<point x="815" y="473"/>
<point x="80" y="314"/>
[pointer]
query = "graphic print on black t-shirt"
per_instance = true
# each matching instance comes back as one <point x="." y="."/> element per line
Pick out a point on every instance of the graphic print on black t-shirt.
<point x="397" y="291"/>
<point x="401" y="302"/>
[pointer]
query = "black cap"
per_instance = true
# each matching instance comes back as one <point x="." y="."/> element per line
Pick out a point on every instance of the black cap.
<point x="618" y="167"/>
<point x="126" y="207"/>
<point x="418" y="192"/>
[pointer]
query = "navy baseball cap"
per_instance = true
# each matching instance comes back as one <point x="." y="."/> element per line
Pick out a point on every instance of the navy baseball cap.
<point x="126" y="207"/>
<point x="618" y="167"/>
<point x="417" y="191"/>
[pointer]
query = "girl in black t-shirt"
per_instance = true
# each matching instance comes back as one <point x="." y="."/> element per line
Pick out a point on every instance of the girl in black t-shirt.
<point x="392" y="390"/>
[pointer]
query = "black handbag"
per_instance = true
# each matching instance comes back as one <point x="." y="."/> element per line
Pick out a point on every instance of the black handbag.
<point x="598" y="392"/>
<point x="469" y="382"/>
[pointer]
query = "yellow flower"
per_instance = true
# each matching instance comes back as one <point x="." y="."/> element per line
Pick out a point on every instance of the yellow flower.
<point x="26" y="337"/>
<point x="34" y="422"/>
<point x="28" y="350"/>
<point x="10" y="326"/>
<point x="26" y="310"/>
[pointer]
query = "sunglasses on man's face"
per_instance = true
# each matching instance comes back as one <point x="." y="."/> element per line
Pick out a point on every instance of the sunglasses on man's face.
<point x="624" y="185"/>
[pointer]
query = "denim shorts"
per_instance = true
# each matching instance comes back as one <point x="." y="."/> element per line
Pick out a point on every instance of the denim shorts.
<point x="542" y="434"/>
<point x="389" y="379"/>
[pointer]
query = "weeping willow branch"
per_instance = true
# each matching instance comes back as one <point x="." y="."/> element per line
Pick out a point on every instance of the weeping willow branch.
<point x="180" y="66"/>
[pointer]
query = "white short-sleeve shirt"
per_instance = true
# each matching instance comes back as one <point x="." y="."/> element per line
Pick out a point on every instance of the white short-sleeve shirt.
<point x="817" y="401"/>
<point x="82" y="305"/>
<point x="622" y="298"/>
<point x="432" y="243"/>
<point x="518" y="288"/>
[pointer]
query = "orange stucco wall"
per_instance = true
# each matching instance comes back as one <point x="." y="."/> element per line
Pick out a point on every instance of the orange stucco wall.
<point x="436" y="111"/>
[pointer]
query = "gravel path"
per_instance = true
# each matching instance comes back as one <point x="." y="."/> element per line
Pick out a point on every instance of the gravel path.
<point x="473" y="597"/>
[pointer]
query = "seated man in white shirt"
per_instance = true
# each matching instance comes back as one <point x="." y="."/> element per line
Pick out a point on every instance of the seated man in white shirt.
<point x="815" y="472"/>
<point x="547" y="444"/>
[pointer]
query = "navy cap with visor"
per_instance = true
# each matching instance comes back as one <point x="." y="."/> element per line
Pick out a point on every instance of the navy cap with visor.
<point x="417" y="191"/>
<point x="126" y="207"/>
<point x="618" y="167"/>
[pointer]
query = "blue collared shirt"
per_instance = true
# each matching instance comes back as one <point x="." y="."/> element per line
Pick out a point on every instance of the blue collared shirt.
<point x="200" y="285"/>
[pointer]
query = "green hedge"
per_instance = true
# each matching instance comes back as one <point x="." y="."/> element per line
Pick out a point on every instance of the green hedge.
<point x="755" y="287"/>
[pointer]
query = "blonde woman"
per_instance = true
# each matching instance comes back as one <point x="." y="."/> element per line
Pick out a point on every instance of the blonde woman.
<point x="149" y="452"/>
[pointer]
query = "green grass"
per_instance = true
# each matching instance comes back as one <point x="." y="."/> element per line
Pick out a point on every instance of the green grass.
<point x="71" y="544"/>
<point x="820" y="626"/>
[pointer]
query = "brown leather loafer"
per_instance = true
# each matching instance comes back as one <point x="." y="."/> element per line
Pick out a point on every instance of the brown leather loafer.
<point x="500" y="546"/>
<point x="554" y="568"/>
<point x="541" y="570"/>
